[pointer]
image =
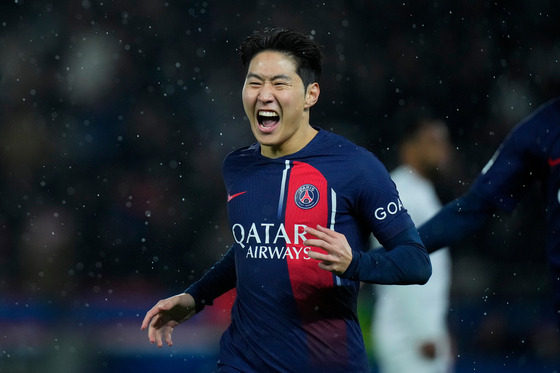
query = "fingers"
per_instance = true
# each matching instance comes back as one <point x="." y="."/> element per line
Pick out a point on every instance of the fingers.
<point x="168" y="337"/>
<point x="149" y="315"/>
<point x="158" y="336"/>
<point x="321" y="232"/>
<point x="338" y="253"/>
<point x="319" y="256"/>
<point x="325" y="239"/>
<point x="160" y="306"/>
<point x="162" y="318"/>
<point x="152" y="331"/>
<point x="159" y="332"/>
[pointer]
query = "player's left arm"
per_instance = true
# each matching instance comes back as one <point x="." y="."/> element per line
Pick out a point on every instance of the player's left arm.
<point x="370" y="191"/>
<point x="404" y="260"/>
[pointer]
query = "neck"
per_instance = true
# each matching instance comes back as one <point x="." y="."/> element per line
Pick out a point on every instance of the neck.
<point x="297" y="142"/>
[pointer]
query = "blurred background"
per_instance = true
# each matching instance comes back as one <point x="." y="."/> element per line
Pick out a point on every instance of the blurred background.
<point x="115" y="117"/>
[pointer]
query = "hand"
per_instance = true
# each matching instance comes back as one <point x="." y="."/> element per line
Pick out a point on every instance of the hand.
<point x="339" y="253"/>
<point x="167" y="314"/>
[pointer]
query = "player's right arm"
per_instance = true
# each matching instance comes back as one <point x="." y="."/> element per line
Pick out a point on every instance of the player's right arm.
<point x="162" y="318"/>
<point x="216" y="281"/>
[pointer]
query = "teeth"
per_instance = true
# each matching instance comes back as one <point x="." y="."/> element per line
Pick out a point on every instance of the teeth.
<point x="268" y="114"/>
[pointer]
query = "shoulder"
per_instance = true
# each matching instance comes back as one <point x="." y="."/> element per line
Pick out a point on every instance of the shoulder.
<point x="337" y="142"/>
<point x="353" y="155"/>
<point x="242" y="154"/>
<point x="240" y="159"/>
<point x="541" y="124"/>
<point x="359" y="169"/>
<point x="534" y="137"/>
<point x="550" y="110"/>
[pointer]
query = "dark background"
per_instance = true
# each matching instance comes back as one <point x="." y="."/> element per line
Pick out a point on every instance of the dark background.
<point x="115" y="117"/>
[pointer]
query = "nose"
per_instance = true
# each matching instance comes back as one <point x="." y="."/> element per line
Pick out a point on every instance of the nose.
<point x="265" y="93"/>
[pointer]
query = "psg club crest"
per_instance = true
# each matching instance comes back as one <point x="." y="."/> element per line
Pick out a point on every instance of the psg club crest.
<point x="306" y="196"/>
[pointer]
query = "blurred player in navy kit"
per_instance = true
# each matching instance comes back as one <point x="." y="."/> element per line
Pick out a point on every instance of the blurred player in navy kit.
<point x="530" y="153"/>
<point x="302" y="203"/>
<point x="409" y="328"/>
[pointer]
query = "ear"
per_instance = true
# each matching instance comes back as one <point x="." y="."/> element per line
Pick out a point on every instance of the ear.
<point x="312" y="94"/>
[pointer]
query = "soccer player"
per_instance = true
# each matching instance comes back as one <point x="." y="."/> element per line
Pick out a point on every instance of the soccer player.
<point x="301" y="205"/>
<point x="530" y="152"/>
<point x="409" y="328"/>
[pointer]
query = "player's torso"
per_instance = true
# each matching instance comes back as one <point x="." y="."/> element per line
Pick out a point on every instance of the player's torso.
<point x="269" y="205"/>
<point x="286" y="304"/>
<point x="279" y="286"/>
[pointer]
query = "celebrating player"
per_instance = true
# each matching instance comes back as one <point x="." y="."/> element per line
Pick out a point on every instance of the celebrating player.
<point x="301" y="204"/>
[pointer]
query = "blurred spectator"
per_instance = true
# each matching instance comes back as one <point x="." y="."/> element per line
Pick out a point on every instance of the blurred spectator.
<point x="409" y="328"/>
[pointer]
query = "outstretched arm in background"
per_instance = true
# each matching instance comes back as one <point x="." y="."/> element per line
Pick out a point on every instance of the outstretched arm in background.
<point x="455" y="221"/>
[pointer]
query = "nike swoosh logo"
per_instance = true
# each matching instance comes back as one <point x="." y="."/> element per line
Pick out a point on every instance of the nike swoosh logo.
<point x="232" y="196"/>
<point x="553" y="162"/>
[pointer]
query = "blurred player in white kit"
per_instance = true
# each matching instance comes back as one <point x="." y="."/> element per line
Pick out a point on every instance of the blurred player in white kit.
<point x="409" y="325"/>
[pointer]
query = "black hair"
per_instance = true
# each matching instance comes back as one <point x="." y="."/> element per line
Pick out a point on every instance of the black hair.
<point x="304" y="49"/>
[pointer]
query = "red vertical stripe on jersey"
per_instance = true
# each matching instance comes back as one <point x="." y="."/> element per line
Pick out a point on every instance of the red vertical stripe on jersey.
<point x="304" y="274"/>
<point x="312" y="286"/>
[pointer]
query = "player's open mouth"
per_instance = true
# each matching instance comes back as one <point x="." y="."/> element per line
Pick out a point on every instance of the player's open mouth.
<point x="267" y="119"/>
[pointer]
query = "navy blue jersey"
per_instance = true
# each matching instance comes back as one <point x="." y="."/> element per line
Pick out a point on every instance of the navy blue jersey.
<point x="290" y="315"/>
<point x="531" y="152"/>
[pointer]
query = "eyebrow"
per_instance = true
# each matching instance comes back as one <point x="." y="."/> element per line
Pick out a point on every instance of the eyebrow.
<point x="275" y="77"/>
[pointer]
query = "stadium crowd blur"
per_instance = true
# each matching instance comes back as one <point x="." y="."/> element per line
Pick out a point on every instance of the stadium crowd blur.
<point x="115" y="117"/>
